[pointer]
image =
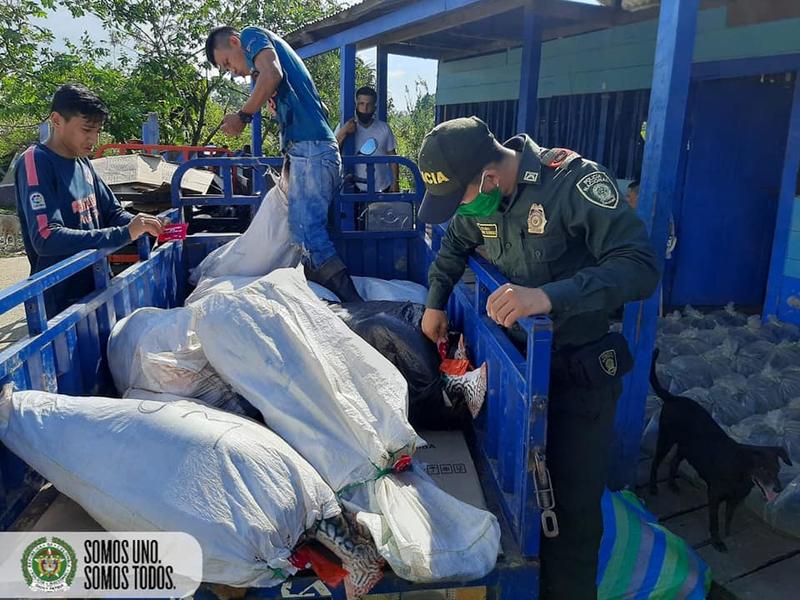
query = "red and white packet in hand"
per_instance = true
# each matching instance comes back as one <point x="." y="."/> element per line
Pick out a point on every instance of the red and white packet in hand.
<point x="172" y="232"/>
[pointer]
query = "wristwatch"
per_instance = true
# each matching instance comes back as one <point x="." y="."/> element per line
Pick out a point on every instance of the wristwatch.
<point x="245" y="117"/>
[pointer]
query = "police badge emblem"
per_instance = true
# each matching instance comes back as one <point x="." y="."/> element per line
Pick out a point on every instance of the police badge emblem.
<point x="608" y="362"/>
<point x="536" y="219"/>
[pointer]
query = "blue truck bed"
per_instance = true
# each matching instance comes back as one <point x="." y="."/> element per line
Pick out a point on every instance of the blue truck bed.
<point x="507" y="442"/>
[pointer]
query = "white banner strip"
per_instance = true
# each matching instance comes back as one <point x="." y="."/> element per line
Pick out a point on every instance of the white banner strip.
<point x="66" y="564"/>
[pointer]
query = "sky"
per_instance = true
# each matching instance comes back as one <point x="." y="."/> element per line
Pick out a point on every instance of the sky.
<point x="402" y="71"/>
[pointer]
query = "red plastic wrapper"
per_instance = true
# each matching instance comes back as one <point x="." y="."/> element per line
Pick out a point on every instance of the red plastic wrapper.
<point x="455" y="367"/>
<point x="329" y="572"/>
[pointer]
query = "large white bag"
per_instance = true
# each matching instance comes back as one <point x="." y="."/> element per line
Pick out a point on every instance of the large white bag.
<point x="266" y="245"/>
<point x="157" y="350"/>
<point x="210" y="285"/>
<point x="426" y="534"/>
<point x="342" y="405"/>
<point x="151" y="466"/>
<point x="322" y="388"/>
<point x="374" y="288"/>
<point x="369" y="288"/>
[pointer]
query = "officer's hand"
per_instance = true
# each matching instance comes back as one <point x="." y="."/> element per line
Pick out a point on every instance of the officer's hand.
<point x="142" y="224"/>
<point x="434" y="324"/>
<point x="350" y="126"/>
<point x="512" y="302"/>
<point x="232" y="125"/>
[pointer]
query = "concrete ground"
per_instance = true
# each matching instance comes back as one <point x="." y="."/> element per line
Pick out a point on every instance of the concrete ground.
<point x="13" y="269"/>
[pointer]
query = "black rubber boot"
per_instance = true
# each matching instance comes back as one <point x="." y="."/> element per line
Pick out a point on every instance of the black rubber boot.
<point x="332" y="274"/>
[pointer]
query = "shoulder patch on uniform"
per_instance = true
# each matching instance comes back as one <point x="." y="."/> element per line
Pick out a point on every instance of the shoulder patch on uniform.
<point x="488" y="230"/>
<point x="37" y="201"/>
<point x="598" y="189"/>
<point x="559" y="158"/>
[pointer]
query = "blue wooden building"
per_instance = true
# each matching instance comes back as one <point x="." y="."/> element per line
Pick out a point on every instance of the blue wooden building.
<point x="715" y="82"/>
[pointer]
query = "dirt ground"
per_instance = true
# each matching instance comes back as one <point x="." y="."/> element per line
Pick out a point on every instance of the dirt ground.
<point x="13" y="269"/>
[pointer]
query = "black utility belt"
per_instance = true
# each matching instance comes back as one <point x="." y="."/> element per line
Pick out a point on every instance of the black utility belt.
<point x="593" y="365"/>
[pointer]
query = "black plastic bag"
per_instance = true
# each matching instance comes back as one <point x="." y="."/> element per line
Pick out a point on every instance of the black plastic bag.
<point x="394" y="329"/>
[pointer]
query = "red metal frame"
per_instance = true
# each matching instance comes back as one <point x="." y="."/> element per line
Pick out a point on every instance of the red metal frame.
<point x="151" y="148"/>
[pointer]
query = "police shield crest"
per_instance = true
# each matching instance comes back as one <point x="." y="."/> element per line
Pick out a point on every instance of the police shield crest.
<point x="536" y="219"/>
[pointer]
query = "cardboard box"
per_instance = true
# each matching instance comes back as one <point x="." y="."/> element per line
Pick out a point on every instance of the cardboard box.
<point x="194" y="180"/>
<point x="144" y="172"/>
<point x="132" y="169"/>
<point x="450" y="465"/>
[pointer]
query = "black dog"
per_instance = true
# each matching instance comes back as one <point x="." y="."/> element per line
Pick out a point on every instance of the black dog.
<point x="729" y="469"/>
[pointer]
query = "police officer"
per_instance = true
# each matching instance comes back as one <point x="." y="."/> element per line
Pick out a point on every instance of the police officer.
<point x="556" y="227"/>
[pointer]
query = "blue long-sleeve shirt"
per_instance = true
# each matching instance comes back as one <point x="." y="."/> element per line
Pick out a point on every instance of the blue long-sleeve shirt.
<point x="64" y="207"/>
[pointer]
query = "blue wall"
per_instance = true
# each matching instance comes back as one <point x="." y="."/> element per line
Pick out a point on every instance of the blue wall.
<point x="792" y="268"/>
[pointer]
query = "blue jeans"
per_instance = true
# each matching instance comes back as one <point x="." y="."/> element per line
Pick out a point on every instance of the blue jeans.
<point x="315" y="178"/>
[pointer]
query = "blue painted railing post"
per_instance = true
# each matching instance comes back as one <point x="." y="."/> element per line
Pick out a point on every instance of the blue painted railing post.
<point x="150" y="132"/>
<point x="660" y="183"/>
<point x="44" y="131"/>
<point x="529" y="75"/>
<point x="257" y="149"/>
<point x="347" y="103"/>
<point x="381" y="73"/>
<point x="347" y="91"/>
<point x="786" y="201"/>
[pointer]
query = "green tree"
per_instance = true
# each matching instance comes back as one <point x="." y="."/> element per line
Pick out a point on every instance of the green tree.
<point x="410" y="126"/>
<point x="168" y="38"/>
<point x="19" y="36"/>
<point x="162" y="68"/>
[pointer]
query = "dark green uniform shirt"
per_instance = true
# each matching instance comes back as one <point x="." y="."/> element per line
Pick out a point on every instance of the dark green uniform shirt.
<point x="567" y="231"/>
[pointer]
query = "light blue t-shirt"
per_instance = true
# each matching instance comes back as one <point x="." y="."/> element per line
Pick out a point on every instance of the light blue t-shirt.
<point x="299" y="108"/>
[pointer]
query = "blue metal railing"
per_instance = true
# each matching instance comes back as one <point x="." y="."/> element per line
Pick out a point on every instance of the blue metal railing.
<point x="511" y="430"/>
<point x="31" y="290"/>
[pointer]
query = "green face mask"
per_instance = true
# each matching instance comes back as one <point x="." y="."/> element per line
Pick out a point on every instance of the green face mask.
<point x="485" y="204"/>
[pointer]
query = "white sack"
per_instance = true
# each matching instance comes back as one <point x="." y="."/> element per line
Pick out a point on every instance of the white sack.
<point x="426" y="534"/>
<point x="375" y="289"/>
<point x="265" y="246"/>
<point x="343" y="406"/>
<point x="322" y="388"/>
<point x="157" y="350"/>
<point x="149" y="466"/>
<point x="218" y="284"/>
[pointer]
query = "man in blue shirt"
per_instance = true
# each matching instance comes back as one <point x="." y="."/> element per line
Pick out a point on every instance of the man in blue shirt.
<point x="315" y="166"/>
<point x="63" y="206"/>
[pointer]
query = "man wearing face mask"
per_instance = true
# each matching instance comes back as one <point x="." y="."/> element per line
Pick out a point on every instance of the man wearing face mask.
<point x="555" y="225"/>
<point x="366" y="125"/>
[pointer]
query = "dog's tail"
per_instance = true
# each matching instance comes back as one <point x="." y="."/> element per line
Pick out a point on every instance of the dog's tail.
<point x="659" y="389"/>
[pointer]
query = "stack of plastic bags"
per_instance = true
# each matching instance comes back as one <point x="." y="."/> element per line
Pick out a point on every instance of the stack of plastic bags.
<point x="746" y="374"/>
